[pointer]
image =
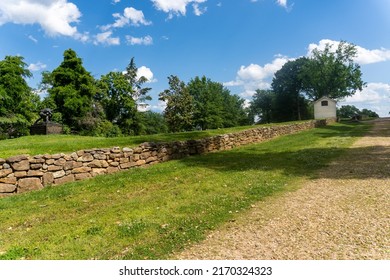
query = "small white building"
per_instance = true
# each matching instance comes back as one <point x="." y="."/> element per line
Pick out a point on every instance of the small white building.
<point x="324" y="108"/>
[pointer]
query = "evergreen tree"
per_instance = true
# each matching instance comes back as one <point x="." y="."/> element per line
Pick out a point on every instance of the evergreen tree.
<point x="72" y="89"/>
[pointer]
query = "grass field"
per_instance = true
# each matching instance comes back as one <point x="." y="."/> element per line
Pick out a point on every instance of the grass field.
<point x="150" y="213"/>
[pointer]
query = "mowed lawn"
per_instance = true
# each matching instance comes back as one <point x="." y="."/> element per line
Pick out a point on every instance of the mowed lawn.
<point x="151" y="213"/>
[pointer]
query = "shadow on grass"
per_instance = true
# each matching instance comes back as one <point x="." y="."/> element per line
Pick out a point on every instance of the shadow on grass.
<point x="352" y="163"/>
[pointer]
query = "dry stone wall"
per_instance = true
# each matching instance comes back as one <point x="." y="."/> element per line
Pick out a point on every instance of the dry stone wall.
<point x="25" y="173"/>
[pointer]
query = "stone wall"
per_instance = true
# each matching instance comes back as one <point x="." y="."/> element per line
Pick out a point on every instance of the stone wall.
<point x="25" y="173"/>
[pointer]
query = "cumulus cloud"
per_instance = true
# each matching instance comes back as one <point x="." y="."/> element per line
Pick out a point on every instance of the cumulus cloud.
<point x="34" y="67"/>
<point x="56" y="17"/>
<point x="130" y="16"/>
<point x="146" y="72"/>
<point x="255" y="76"/>
<point x="374" y="97"/>
<point x="364" y="56"/>
<point x="177" y="7"/>
<point x="282" y="3"/>
<point x="147" y="40"/>
<point x="105" y="38"/>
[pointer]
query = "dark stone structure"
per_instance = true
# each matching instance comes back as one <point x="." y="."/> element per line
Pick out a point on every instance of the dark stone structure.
<point x="43" y="126"/>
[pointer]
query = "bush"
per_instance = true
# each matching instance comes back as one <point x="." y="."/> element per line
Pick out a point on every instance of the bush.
<point x="12" y="127"/>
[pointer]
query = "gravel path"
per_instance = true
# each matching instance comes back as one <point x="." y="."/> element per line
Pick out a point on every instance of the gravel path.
<point x="345" y="214"/>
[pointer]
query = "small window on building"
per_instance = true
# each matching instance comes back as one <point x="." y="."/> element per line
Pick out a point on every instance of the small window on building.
<point x="324" y="103"/>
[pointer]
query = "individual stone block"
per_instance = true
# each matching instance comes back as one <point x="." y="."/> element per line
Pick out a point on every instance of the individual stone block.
<point x="34" y="173"/>
<point x="11" y="180"/>
<point x="47" y="179"/>
<point x="59" y="174"/>
<point x="23" y="165"/>
<point x="17" y="158"/>
<point x="86" y="158"/>
<point x="20" y="174"/>
<point x="83" y="169"/>
<point x="5" y="172"/>
<point x="7" y="188"/>
<point x="82" y="176"/>
<point x="54" y="168"/>
<point x="29" y="184"/>
<point x="65" y="179"/>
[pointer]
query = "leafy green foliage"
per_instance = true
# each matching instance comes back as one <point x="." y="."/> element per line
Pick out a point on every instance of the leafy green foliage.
<point x="350" y="111"/>
<point x="119" y="93"/>
<point x="18" y="103"/>
<point x="262" y="105"/>
<point x="332" y="73"/>
<point x="72" y="88"/>
<point x="179" y="112"/>
<point x="287" y="84"/>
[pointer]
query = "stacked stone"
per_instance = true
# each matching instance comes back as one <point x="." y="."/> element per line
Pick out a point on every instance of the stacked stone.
<point x="23" y="173"/>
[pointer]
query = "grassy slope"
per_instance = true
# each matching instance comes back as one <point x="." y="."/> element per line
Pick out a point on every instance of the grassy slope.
<point x="151" y="212"/>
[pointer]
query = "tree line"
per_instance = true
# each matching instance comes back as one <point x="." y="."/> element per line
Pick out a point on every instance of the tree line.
<point x="108" y="106"/>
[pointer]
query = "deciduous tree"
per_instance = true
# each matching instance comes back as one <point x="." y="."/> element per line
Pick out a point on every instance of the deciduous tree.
<point x="332" y="73"/>
<point x="179" y="111"/>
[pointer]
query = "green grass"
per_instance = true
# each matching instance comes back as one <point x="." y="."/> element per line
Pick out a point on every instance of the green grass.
<point x="151" y="213"/>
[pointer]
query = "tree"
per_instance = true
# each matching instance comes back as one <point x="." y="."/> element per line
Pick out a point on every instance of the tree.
<point x="119" y="93"/>
<point x="262" y="105"/>
<point x="154" y="123"/>
<point x="348" y="111"/>
<point x="233" y="113"/>
<point x="369" y="113"/>
<point x="332" y="73"/>
<point x="179" y="111"/>
<point x="18" y="103"/>
<point x="287" y="84"/>
<point x="208" y="102"/>
<point x="72" y="89"/>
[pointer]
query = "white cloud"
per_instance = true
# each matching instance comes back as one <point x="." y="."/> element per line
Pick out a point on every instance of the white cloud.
<point x="254" y="76"/>
<point x="34" y="67"/>
<point x="364" y="56"/>
<point x="282" y="3"/>
<point x="55" y="17"/>
<point x="160" y="107"/>
<point x="375" y="97"/>
<point x="177" y="7"/>
<point x="130" y="16"/>
<point x="32" y="38"/>
<point x="147" y="40"/>
<point x="147" y="73"/>
<point x="106" y="38"/>
<point x="197" y="10"/>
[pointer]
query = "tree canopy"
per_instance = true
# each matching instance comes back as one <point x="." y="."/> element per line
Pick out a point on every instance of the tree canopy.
<point x="332" y="73"/>
<point x="72" y="88"/>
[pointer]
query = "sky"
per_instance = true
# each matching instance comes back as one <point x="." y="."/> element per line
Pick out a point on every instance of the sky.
<point x="239" y="43"/>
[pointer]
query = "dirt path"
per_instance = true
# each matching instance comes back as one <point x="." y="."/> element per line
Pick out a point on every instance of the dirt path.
<point x="345" y="214"/>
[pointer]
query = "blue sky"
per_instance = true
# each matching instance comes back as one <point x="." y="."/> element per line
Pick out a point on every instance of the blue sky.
<point x="240" y="43"/>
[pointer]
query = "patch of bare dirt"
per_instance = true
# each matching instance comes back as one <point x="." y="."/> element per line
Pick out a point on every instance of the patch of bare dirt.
<point x="345" y="214"/>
